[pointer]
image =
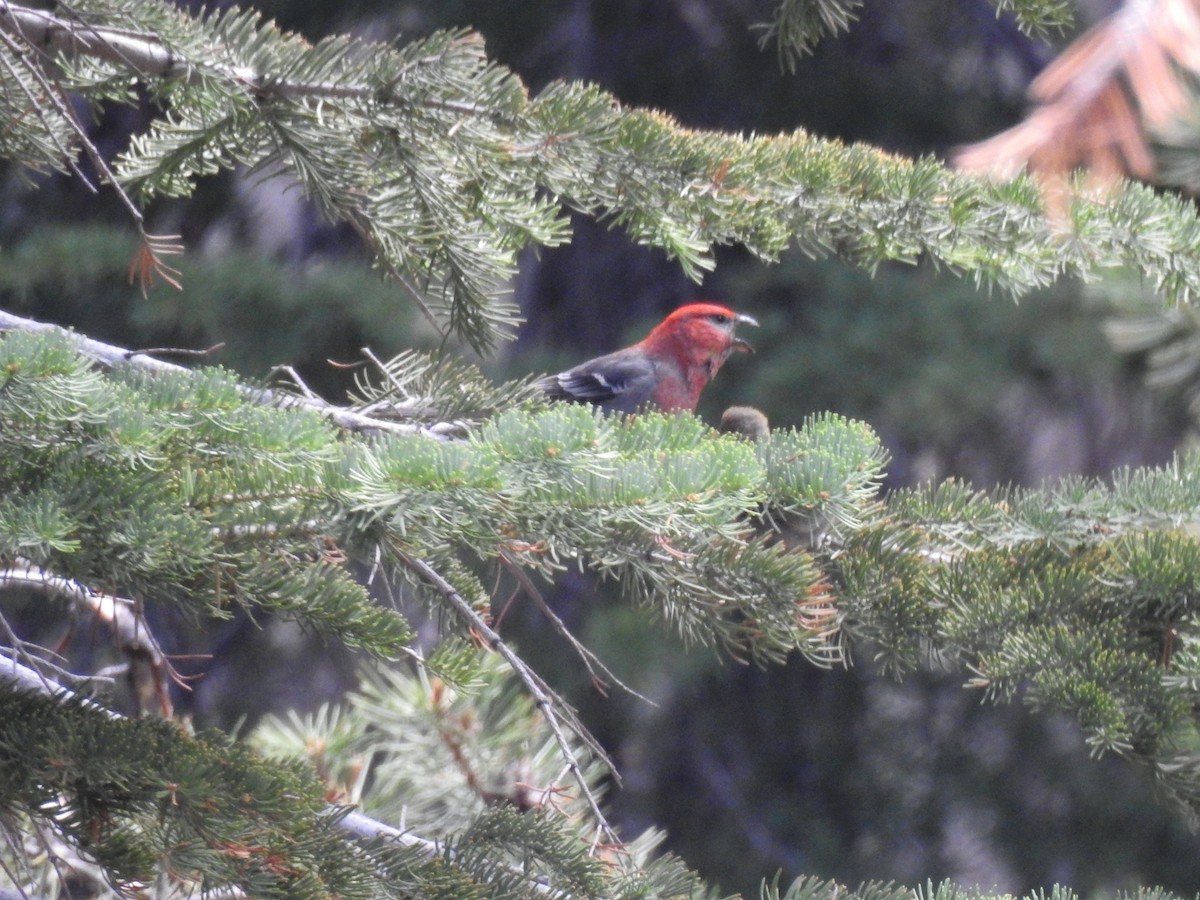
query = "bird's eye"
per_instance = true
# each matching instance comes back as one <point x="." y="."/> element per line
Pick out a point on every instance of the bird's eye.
<point x="722" y="318"/>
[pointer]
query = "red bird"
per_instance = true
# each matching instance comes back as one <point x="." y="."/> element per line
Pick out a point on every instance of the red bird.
<point x="667" y="370"/>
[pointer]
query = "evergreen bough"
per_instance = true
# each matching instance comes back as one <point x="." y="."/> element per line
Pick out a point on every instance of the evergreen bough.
<point x="197" y="491"/>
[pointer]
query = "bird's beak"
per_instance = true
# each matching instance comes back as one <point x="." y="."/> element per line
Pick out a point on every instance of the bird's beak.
<point x="738" y="343"/>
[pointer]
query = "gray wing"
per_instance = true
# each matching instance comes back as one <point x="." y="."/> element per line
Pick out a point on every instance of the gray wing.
<point x="620" y="381"/>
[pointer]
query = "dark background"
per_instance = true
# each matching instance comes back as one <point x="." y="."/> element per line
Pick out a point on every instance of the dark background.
<point x="843" y="774"/>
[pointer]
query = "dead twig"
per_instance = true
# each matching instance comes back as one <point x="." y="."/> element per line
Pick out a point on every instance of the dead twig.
<point x="543" y="697"/>
<point x="600" y="673"/>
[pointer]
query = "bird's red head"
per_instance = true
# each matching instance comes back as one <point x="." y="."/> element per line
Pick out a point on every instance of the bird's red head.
<point x="693" y="342"/>
<point x="701" y="333"/>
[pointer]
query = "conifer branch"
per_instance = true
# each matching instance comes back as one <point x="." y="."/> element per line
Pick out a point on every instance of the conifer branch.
<point x="149" y="56"/>
<point x="447" y="168"/>
<point x="354" y="823"/>
<point x="148" y="260"/>
<point x="544" y="698"/>
<point x="110" y="356"/>
<point x="51" y="34"/>
<point x="63" y="155"/>
<point x="1038" y="17"/>
<point x="19" y="677"/>
<point x="798" y="25"/>
<point x="363" y="826"/>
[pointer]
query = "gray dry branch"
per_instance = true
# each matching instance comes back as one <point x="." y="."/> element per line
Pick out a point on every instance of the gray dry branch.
<point x="108" y="356"/>
<point x="148" y="671"/>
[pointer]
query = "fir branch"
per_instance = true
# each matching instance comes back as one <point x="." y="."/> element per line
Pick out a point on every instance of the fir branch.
<point x="447" y="169"/>
<point x="24" y="678"/>
<point x="145" y="53"/>
<point x="798" y="25"/>
<point x="545" y="699"/>
<point x="655" y="501"/>
<point x="543" y="696"/>
<point x="51" y="146"/>
<point x="150" y="56"/>
<point x="452" y="760"/>
<point x="363" y="826"/>
<point x="153" y="247"/>
<point x="110" y="356"/>
<point x="484" y="846"/>
<point x="1080" y="598"/>
<point x="1038" y="18"/>
<point x="601" y="674"/>
<point x="443" y="390"/>
<point x="15" y="677"/>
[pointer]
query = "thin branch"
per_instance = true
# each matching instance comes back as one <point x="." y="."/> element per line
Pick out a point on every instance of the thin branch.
<point x="15" y="852"/>
<point x="84" y="877"/>
<point x="18" y="676"/>
<point x="543" y="697"/>
<point x="148" y="667"/>
<point x="40" y="658"/>
<point x="179" y="351"/>
<point x="291" y="372"/>
<point x="16" y="651"/>
<point x="36" y="106"/>
<point x="401" y="409"/>
<point x="109" y="356"/>
<point x="136" y="640"/>
<point x="149" y="56"/>
<point x="590" y="660"/>
<point x="363" y="826"/>
<point x="394" y="273"/>
<point x="306" y="528"/>
<point x="60" y="106"/>
<point x="15" y="676"/>
<point x="148" y="260"/>
<point x="401" y="390"/>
